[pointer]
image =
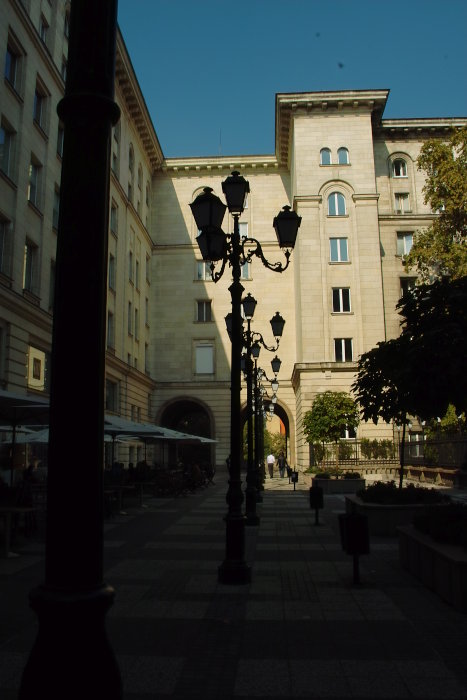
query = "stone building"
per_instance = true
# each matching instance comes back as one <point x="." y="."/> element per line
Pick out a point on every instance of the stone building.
<point x="349" y="173"/>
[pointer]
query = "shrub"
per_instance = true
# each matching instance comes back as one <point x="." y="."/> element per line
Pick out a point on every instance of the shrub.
<point x="323" y="474"/>
<point x="351" y="475"/>
<point x="388" y="493"/>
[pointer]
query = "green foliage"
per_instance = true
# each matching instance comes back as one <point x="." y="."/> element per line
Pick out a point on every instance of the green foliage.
<point x="274" y="443"/>
<point x="346" y="449"/>
<point x="351" y="475"/>
<point x="441" y="248"/>
<point x="386" y="492"/>
<point x="423" y="370"/>
<point x="377" y="449"/>
<point x="331" y="413"/>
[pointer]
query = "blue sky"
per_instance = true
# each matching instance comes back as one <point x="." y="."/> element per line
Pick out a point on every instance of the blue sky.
<point x="209" y="69"/>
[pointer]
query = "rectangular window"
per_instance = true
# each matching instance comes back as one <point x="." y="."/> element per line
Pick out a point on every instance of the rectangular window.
<point x="402" y="202"/>
<point x="39" y="109"/>
<point x="338" y="250"/>
<point x="56" y="207"/>
<point x="203" y="311"/>
<point x="404" y="243"/>
<point x="130" y="318"/>
<point x="6" y="148"/>
<point x="114" y="218"/>
<point x="245" y="271"/>
<point x="13" y="63"/>
<point x="30" y="267"/>
<point x="34" y="181"/>
<point x="148" y="269"/>
<point x="341" y="300"/>
<point x="136" y="324"/>
<point x="137" y="274"/>
<point x="203" y="270"/>
<point x="343" y="349"/>
<point x="130" y="267"/>
<point x="111" y="396"/>
<point x="112" y="272"/>
<point x="64" y="68"/>
<point x="243" y="230"/>
<point x="146" y="358"/>
<point x="204" y="359"/>
<point x="407" y="283"/>
<point x="43" y="29"/>
<point x="6" y="240"/>
<point x="146" y="311"/>
<point x="52" y="285"/>
<point x="110" y="330"/>
<point x="60" y="138"/>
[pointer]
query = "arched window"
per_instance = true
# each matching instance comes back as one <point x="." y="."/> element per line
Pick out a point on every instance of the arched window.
<point x="336" y="204"/>
<point x="325" y="156"/>
<point x="343" y="156"/>
<point x="399" y="168"/>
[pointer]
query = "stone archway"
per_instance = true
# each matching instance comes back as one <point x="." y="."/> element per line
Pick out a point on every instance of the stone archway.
<point x="281" y="424"/>
<point x="188" y="416"/>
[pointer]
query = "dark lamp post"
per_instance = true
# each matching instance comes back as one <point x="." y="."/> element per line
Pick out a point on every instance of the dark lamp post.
<point x="211" y="242"/>
<point x="277" y="325"/>
<point x="235" y="189"/>
<point x="255" y="350"/>
<point x="276" y="365"/>
<point x="249" y="306"/>
<point x="286" y="225"/>
<point x="208" y="210"/>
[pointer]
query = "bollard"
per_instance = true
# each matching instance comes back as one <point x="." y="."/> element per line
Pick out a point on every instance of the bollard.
<point x="355" y="538"/>
<point x="294" y="478"/>
<point x="316" y="501"/>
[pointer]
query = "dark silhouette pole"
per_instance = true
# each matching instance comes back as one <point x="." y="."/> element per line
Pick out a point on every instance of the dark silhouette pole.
<point x="72" y="657"/>
<point x="252" y="518"/>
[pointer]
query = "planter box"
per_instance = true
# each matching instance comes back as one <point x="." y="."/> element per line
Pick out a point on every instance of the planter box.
<point x="383" y="519"/>
<point x="333" y="486"/>
<point x="441" y="567"/>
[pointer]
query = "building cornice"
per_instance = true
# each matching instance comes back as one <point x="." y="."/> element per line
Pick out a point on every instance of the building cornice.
<point x="419" y="128"/>
<point x="219" y="164"/>
<point x="135" y="103"/>
<point x="289" y="104"/>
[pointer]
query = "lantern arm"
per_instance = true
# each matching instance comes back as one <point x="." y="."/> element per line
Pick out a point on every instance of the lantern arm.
<point x="257" y="336"/>
<point x="250" y="247"/>
<point x="216" y="275"/>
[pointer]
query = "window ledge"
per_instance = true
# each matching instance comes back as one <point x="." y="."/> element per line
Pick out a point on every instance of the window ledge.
<point x="40" y="130"/>
<point x="35" y="208"/>
<point x="30" y="296"/>
<point x="340" y="262"/>
<point x="8" y="180"/>
<point x="342" y="313"/>
<point x="337" y="216"/>
<point x="13" y="90"/>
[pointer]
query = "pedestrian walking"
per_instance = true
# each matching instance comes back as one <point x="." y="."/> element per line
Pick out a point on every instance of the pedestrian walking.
<point x="282" y="464"/>
<point x="271" y="460"/>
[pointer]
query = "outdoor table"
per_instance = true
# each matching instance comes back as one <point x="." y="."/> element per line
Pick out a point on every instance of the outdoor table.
<point x="119" y="489"/>
<point x="7" y="511"/>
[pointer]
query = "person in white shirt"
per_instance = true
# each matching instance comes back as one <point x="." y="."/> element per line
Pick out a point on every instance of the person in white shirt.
<point x="270" y="459"/>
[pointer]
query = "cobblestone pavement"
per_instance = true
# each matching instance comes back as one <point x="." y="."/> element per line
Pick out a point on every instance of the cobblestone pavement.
<point x="301" y="629"/>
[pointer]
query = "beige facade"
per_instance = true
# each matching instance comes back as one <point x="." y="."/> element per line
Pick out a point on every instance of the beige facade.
<point x="350" y="174"/>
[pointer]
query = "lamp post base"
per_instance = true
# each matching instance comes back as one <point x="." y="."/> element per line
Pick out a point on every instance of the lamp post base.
<point x="72" y="657"/>
<point x="235" y="573"/>
<point x="252" y="520"/>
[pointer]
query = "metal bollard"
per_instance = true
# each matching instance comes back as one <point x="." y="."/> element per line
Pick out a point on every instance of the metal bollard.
<point x="355" y="539"/>
<point x="316" y="501"/>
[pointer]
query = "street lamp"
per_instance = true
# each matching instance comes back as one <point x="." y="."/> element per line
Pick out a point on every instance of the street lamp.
<point x="208" y="211"/>
<point x="253" y="341"/>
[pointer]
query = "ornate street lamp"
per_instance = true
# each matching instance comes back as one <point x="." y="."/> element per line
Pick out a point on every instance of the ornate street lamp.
<point x="208" y="212"/>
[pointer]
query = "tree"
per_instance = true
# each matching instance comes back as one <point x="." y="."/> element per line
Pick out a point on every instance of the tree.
<point x="441" y="249"/>
<point x="423" y="371"/>
<point x="331" y="414"/>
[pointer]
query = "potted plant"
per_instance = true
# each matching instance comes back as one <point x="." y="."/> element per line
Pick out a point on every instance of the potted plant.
<point x="387" y="506"/>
